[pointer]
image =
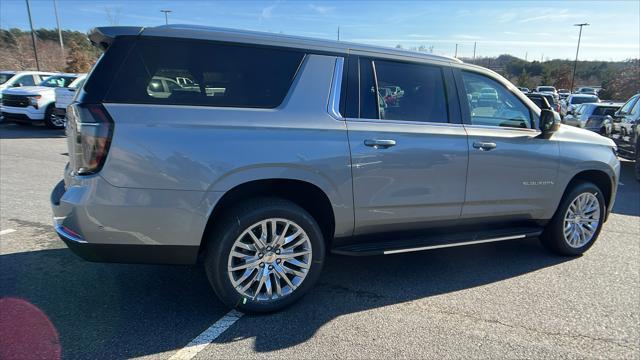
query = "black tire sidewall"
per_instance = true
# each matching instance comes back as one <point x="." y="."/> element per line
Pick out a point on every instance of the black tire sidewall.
<point x="47" y="118"/>
<point x="239" y="219"/>
<point x="553" y="236"/>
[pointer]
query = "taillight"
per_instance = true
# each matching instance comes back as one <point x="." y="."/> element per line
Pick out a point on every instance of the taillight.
<point x="89" y="131"/>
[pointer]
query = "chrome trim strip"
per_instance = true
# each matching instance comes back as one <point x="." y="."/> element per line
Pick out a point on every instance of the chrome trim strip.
<point x="60" y="230"/>
<point x="336" y="88"/>
<point x="455" y="244"/>
<point x="404" y="122"/>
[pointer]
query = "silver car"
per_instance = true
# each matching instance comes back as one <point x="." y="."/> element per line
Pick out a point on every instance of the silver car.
<point x="272" y="151"/>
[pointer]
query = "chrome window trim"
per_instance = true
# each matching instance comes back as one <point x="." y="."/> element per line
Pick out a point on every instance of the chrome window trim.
<point x="404" y="122"/>
<point x="493" y="127"/>
<point x="336" y="89"/>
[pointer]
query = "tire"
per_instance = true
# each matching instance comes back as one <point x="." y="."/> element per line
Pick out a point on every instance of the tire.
<point x="554" y="237"/>
<point x="51" y="120"/>
<point x="232" y="233"/>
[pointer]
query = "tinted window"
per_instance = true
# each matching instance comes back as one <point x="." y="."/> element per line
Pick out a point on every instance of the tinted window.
<point x="411" y="92"/>
<point x="546" y="88"/>
<point x="627" y="106"/>
<point x="57" y="81"/>
<point x="5" y="77"/>
<point x="499" y="108"/>
<point x="540" y="101"/>
<point x="26" y="80"/>
<point x="584" y="99"/>
<point x="368" y="102"/>
<point x="604" y="111"/>
<point x="159" y="71"/>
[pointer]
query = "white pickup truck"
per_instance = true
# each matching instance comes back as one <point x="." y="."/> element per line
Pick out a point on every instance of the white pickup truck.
<point x="64" y="97"/>
<point x="35" y="103"/>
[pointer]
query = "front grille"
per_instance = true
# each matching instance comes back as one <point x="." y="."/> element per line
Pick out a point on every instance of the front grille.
<point x="15" y="100"/>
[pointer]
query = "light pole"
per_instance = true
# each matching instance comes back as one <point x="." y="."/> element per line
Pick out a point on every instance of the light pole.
<point x="575" y="63"/>
<point x="55" y="9"/>
<point x="456" y="55"/>
<point x="33" y="36"/>
<point x="166" y="16"/>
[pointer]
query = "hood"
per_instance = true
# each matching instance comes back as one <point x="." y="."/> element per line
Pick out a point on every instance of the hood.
<point x="574" y="134"/>
<point x="28" y="90"/>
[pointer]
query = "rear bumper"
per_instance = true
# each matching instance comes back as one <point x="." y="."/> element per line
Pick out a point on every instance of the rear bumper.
<point x="108" y="242"/>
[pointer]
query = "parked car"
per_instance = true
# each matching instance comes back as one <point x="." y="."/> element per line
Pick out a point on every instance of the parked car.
<point x="572" y="100"/>
<point x="563" y="93"/>
<point x="262" y="180"/>
<point x="524" y="90"/>
<point x="64" y="96"/>
<point x="587" y="90"/>
<point x="28" y="104"/>
<point x="551" y="102"/>
<point x="596" y="117"/>
<point x="626" y="135"/>
<point x="9" y="79"/>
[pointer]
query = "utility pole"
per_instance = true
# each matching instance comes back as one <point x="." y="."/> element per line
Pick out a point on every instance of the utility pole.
<point x="526" y="53"/>
<point x="456" y="55"/>
<point x="166" y="16"/>
<point x="33" y="36"/>
<point x="338" y="32"/>
<point x="55" y="9"/>
<point x="575" y="63"/>
<point x="474" y="50"/>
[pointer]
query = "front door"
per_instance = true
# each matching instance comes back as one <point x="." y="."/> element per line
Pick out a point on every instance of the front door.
<point x="512" y="170"/>
<point x="409" y="161"/>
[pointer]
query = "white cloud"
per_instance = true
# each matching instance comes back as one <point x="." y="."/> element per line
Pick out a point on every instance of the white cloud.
<point x="321" y="9"/>
<point x="553" y="14"/>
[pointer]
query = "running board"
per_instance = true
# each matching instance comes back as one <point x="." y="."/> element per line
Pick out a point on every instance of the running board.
<point x="435" y="241"/>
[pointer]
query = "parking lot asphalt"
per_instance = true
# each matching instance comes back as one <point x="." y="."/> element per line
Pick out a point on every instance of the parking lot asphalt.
<point x="501" y="300"/>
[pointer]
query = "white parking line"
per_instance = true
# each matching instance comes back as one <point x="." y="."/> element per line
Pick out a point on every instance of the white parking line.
<point x="206" y="337"/>
<point x="7" y="231"/>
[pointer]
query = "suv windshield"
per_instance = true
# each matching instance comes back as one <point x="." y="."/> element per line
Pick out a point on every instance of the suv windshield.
<point x="546" y="88"/>
<point x="57" y="81"/>
<point x="4" y="77"/>
<point x="584" y="99"/>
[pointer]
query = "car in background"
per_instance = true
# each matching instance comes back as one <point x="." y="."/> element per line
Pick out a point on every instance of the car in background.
<point x="587" y="90"/>
<point x="627" y="137"/>
<point x="551" y="102"/>
<point x="573" y="100"/>
<point x="28" y="104"/>
<point x="9" y="79"/>
<point x="524" y="89"/>
<point x="563" y="93"/>
<point x="64" y="97"/>
<point x="596" y="117"/>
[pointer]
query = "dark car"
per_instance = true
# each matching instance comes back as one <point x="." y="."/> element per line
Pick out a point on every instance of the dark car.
<point x="625" y="133"/>
<point x="551" y="102"/>
<point x="596" y="117"/>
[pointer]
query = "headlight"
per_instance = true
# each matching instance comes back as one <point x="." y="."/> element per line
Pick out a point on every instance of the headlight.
<point x="33" y="100"/>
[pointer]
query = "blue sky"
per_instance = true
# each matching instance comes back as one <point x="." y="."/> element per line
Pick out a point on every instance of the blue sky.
<point x="533" y="28"/>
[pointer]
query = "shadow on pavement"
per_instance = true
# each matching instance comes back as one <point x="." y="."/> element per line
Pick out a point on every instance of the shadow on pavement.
<point x="628" y="197"/>
<point x="110" y="310"/>
<point x="351" y="285"/>
<point x="27" y="131"/>
<point x="116" y="310"/>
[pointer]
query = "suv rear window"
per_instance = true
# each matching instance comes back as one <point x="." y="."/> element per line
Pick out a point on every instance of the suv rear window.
<point x="183" y="72"/>
<point x="604" y="110"/>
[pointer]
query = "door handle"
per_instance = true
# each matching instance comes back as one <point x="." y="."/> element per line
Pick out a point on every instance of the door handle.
<point x="379" y="144"/>
<point x="484" y="146"/>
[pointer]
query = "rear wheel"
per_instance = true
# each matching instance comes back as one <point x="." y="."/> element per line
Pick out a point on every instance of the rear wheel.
<point x="264" y="255"/>
<point x="577" y="222"/>
<point x="51" y="120"/>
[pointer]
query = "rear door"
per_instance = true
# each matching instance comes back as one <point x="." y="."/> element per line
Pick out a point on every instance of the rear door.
<point x="512" y="170"/>
<point x="409" y="149"/>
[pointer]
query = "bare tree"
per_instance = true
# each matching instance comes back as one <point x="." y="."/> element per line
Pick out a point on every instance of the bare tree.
<point x="113" y="14"/>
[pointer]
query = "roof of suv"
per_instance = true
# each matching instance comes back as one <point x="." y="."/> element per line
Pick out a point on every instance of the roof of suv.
<point x="103" y="34"/>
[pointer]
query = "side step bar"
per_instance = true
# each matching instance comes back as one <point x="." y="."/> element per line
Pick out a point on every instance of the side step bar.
<point x="435" y="241"/>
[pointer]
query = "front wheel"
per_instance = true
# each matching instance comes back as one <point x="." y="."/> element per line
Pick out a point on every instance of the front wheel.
<point x="264" y="255"/>
<point x="577" y="222"/>
<point x="51" y="120"/>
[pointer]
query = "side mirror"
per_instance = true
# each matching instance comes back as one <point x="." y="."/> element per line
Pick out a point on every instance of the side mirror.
<point x="549" y="122"/>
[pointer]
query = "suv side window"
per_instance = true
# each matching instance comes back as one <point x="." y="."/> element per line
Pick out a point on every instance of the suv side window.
<point x="492" y="104"/>
<point x="211" y="74"/>
<point x="628" y="105"/>
<point x="410" y="92"/>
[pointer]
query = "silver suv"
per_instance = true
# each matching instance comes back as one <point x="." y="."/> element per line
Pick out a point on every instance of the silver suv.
<point x="265" y="152"/>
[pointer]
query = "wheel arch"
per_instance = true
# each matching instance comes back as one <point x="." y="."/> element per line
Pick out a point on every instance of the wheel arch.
<point x="303" y="193"/>
<point x="600" y="178"/>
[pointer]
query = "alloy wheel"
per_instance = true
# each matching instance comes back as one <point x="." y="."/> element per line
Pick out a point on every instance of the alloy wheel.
<point x="581" y="220"/>
<point x="270" y="259"/>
